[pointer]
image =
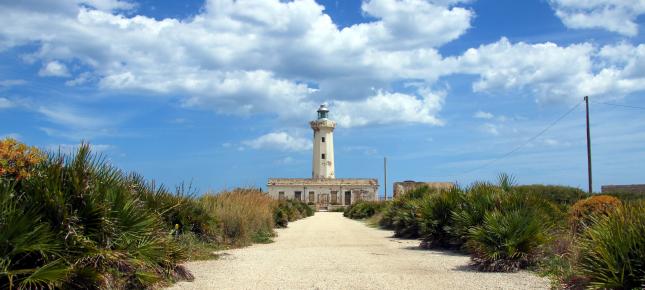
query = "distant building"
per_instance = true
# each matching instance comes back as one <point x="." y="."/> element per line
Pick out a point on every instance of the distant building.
<point x="323" y="188"/>
<point x="401" y="188"/>
<point x="631" y="188"/>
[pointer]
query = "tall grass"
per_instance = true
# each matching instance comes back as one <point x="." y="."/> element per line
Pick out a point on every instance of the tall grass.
<point x="612" y="250"/>
<point x="241" y="214"/>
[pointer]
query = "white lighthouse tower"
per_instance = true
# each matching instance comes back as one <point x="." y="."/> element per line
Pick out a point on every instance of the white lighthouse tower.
<point x="323" y="158"/>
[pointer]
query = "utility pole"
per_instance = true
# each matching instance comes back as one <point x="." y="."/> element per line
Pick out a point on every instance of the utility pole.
<point x="588" y="146"/>
<point x="385" y="176"/>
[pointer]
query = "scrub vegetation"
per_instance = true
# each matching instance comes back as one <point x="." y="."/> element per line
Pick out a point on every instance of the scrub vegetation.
<point x="579" y="241"/>
<point x="77" y="222"/>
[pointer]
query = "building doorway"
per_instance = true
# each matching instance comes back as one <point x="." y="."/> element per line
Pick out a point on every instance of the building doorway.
<point x="348" y="197"/>
<point x="298" y="196"/>
<point x="323" y="200"/>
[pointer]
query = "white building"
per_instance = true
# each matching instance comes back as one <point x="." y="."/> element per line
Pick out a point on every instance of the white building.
<point x="323" y="188"/>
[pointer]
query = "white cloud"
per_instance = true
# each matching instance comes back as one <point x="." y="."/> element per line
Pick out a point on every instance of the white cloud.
<point x="388" y="108"/>
<point x="5" y="103"/>
<point x="491" y="129"/>
<point x="554" y="73"/>
<point x="73" y="124"/>
<point x="483" y="115"/>
<point x="613" y="15"/>
<point x="238" y="57"/>
<point x="54" y="69"/>
<point x="108" y="5"/>
<point x="411" y="24"/>
<point x="68" y="117"/>
<point x="280" y="141"/>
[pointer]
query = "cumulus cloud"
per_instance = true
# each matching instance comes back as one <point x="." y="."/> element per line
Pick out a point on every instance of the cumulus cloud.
<point x="280" y="141"/>
<point x="387" y="108"/>
<point x="613" y="15"/>
<point x="54" y="69"/>
<point x="554" y="73"/>
<point x="238" y="56"/>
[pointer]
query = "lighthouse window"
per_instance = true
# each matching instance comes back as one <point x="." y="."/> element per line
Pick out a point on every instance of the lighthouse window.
<point x="323" y="156"/>
<point x="323" y="139"/>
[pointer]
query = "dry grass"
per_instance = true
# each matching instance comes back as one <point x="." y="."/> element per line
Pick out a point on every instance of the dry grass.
<point x="242" y="214"/>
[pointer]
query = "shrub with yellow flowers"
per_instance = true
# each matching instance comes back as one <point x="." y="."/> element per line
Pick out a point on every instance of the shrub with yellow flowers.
<point x="584" y="212"/>
<point x="17" y="159"/>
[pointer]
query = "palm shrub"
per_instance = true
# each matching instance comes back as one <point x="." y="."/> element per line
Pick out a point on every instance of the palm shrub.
<point x="507" y="240"/>
<point x="181" y="211"/>
<point x="583" y="212"/>
<point x="406" y="220"/>
<point x="387" y="220"/>
<point x="436" y="218"/>
<point x="472" y="206"/>
<point x="506" y="229"/>
<point x="393" y="211"/>
<point x="93" y="231"/>
<point x="612" y="249"/>
<point x="32" y="254"/>
<point x="363" y="209"/>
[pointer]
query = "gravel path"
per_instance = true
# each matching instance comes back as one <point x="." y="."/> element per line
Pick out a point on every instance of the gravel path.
<point x="328" y="251"/>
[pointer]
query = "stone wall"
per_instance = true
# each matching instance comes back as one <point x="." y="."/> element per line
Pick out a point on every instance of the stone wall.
<point x="632" y="188"/>
<point x="400" y="188"/>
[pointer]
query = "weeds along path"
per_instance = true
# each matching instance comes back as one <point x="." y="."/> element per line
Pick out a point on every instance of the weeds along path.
<point x="328" y="251"/>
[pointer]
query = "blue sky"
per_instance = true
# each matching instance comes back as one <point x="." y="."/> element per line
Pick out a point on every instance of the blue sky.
<point x="219" y="93"/>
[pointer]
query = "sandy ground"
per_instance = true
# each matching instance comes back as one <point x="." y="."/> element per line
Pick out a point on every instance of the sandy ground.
<point x="328" y="251"/>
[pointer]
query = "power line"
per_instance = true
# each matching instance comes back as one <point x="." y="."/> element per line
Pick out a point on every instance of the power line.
<point x="525" y="143"/>
<point x="619" y="105"/>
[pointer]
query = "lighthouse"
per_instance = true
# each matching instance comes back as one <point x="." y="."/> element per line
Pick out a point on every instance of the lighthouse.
<point x="323" y="152"/>
<point x="323" y="190"/>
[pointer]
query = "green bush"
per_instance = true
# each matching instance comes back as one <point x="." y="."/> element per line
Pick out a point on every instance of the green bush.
<point x="406" y="220"/>
<point x="612" y="250"/>
<point x="290" y="210"/>
<point x="363" y="209"/>
<point x="507" y="241"/>
<point x="563" y="195"/>
<point x="475" y="202"/>
<point x="436" y="219"/>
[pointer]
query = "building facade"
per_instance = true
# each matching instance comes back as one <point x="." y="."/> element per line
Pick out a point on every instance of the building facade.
<point x="323" y="189"/>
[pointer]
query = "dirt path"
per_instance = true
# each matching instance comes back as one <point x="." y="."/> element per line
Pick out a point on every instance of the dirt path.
<point x="328" y="251"/>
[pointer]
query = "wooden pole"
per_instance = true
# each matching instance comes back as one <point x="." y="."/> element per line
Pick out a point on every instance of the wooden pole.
<point x="588" y="147"/>
<point x="385" y="176"/>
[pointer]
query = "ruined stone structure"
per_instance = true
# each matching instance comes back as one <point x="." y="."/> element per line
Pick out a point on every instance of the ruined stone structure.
<point x="400" y="188"/>
<point x="632" y="188"/>
<point x="323" y="189"/>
